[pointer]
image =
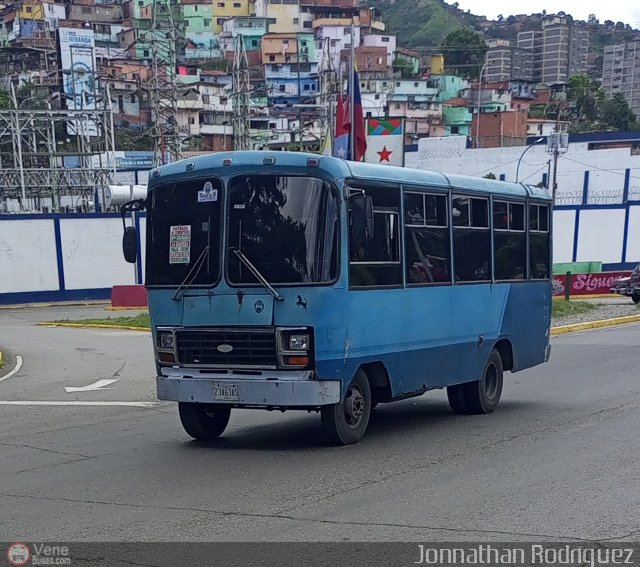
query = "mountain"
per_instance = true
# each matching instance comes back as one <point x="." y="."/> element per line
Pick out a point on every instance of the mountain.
<point x="425" y="23"/>
<point x="422" y="23"/>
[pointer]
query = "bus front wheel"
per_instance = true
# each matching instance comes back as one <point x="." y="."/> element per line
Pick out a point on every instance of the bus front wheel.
<point x="480" y="396"/>
<point x="204" y="422"/>
<point x="346" y="422"/>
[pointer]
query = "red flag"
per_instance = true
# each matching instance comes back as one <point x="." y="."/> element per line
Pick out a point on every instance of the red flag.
<point x="360" y="146"/>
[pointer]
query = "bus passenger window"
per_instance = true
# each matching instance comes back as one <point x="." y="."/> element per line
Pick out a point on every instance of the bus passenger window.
<point x="471" y="239"/>
<point x="377" y="262"/>
<point x="539" y="243"/>
<point x="426" y="239"/>
<point x="510" y="241"/>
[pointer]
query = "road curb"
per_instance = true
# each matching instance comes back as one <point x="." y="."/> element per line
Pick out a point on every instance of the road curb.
<point x="88" y="303"/>
<point x="95" y="326"/>
<point x="555" y="331"/>
<point x="563" y="329"/>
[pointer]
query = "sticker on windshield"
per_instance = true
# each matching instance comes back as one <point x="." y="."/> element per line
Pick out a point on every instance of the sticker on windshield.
<point x="208" y="193"/>
<point x="180" y="244"/>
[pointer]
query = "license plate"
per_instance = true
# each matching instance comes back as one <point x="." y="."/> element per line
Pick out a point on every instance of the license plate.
<point x="225" y="392"/>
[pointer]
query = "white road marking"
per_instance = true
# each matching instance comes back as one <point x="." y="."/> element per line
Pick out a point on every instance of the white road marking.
<point x="99" y="385"/>
<point x="15" y="370"/>
<point x="81" y="403"/>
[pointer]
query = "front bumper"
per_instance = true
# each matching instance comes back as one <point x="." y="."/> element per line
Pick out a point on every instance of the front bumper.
<point x="268" y="389"/>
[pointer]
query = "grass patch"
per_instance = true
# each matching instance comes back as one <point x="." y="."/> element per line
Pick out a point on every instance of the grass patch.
<point x="142" y="321"/>
<point x="562" y="308"/>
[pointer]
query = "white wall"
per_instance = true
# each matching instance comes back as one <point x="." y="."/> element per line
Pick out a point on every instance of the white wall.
<point x="600" y="235"/>
<point x="606" y="167"/>
<point x="92" y="253"/>
<point x="28" y="256"/>
<point x="563" y="234"/>
<point x="633" y="238"/>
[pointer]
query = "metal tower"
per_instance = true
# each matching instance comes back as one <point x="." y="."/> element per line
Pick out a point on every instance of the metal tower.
<point x="166" y="40"/>
<point x="241" y="98"/>
<point x="328" y="90"/>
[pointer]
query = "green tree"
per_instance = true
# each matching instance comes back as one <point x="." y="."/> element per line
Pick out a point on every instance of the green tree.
<point x="464" y="52"/>
<point x="405" y="66"/>
<point x="585" y="95"/>
<point x="616" y="113"/>
<point x="5" y="99"/>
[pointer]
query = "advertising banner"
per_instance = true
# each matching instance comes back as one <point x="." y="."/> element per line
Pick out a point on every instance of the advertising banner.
<point x="587" y="284"/>
<point x="77" y="54"/>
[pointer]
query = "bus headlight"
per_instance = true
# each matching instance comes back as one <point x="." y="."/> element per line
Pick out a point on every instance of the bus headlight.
<point x="299" y="342"/>
<point x="166" y="340"/>
<point x="295" y="347"/>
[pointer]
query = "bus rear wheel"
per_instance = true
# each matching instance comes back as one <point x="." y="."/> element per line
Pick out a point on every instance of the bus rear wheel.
<point x="346" y="422"/>
<point x="204" y="422"/>
<point x="480" y="396"/>
<point x="635" y="298"/>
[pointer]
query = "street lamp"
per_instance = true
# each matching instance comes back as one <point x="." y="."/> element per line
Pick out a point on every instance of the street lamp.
<point x="522" y="155"/>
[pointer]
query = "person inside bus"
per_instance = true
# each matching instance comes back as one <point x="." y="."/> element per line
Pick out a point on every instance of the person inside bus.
<point x="360" y="275"/>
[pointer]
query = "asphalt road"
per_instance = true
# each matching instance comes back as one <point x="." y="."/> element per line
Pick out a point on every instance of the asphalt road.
<point x="557" y="460"/>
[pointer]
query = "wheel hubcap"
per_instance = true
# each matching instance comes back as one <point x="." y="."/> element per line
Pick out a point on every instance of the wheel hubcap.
<point x="491" y="382"/>
<point x="354" y="406"/>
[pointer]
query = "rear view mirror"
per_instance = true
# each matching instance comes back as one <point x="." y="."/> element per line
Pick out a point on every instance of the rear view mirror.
<point x="361" y="217"/>
<point x="130" y="244"/>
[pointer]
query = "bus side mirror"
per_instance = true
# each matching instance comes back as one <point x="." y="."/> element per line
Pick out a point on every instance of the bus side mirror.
<point x="361" y="217"/>
<point x="130" y="244"/>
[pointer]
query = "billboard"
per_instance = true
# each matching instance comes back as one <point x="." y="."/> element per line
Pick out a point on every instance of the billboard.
<point x="385" y="141"/>
<point x="77" y="54"/>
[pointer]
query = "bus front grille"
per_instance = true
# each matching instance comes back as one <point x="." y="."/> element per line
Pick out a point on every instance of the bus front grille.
<point x="227" y="347"/>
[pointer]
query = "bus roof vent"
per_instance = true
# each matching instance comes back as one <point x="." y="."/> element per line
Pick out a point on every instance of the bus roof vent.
<point x="313" y="162"/>
<point x="269" y="161"/>
<point x="227" y="161"/>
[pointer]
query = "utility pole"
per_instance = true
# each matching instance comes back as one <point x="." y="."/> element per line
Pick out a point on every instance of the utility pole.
<point x="352" y="137"/>
<point x="301" y="146"/>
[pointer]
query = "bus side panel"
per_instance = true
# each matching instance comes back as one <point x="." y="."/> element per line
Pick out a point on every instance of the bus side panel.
<point x="526" y="323"/>
<point x="426" y="338"/>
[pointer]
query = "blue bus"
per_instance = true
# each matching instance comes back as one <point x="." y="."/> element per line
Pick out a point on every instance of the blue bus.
<point x="281" y="280"/>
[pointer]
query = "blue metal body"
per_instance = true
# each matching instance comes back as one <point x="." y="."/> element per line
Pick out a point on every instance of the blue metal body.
<point x="424" y="337"/>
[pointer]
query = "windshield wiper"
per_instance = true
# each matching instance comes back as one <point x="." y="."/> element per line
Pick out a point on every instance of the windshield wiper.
<point x="195" y="270"/>
<point x="257" y="274"/>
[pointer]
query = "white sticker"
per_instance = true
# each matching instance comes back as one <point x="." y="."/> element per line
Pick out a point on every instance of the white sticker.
<point x="180" y="244"/>
<point x="208" y="193"/>
<point x="238" y="206"/>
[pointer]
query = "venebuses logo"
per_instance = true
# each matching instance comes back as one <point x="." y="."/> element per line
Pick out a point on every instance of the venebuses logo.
<point x="18" y="554"/>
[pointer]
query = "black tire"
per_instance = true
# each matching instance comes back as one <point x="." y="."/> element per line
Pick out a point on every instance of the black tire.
<point x="204" y="422"/>
<point x="346" y="422"/>
<point x="635" y="298"/>
<point x="480" y="396"/>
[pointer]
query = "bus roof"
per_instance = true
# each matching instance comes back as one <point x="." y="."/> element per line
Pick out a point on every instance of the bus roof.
<point x="339" y="168"/>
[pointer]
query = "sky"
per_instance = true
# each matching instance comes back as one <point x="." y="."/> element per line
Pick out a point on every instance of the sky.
<point x="627" y="11"/>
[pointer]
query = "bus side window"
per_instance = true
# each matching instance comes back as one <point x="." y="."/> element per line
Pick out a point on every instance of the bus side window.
<point x="427" y="246"/>
<point x="377" y="262"/>
<point x="510" y="241"/>
<point x="539" y="242"/>
<point x="471" y="239"/>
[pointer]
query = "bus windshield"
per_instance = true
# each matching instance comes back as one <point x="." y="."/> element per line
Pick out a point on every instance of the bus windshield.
<point x="183" y="242"/>
<point x="287" y="227"/>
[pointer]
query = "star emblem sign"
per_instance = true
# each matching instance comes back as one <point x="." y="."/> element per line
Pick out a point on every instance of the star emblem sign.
<point x="384" y="154"/>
